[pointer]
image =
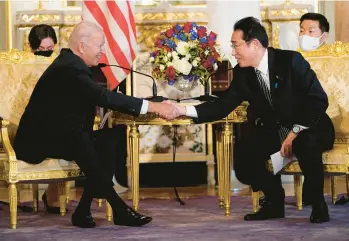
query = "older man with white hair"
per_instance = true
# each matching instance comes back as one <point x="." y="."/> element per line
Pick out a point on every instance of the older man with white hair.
<point x="60" y="116"/>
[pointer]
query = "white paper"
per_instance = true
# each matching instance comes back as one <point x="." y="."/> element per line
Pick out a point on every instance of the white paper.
<point x="280" y="162"/>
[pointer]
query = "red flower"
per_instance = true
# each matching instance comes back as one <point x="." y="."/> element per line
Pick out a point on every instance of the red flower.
<point x="170" y="72"/>
<point x="155" y="53"/>
<point x="203" y="45"/>
<point x="158" y="43"/>
<point x="187" y="27"/>
<point x="169" y="33"/>
<point x="211" y="42"/>
<point x="201" y="31"/>
<point x="212" y="36"/>
<point x="206" y="64"/>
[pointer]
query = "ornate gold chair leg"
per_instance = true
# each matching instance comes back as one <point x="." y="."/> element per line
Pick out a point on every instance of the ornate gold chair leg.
<point x="12" y="190"/>
<point x="255" y="201"/>
<point x="333" y="189"/>
<point x="62" y="198"/>
<point x="298" y="190"/>
<point x="347" y="183"/>
<point x="35" y="191"/>
<point x="67" y="192"/>
<point x="99" y="201"/>
<point x="109" y="211"/>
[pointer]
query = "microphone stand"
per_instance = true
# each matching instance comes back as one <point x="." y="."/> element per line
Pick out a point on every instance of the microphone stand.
<point x="155" y="97"/>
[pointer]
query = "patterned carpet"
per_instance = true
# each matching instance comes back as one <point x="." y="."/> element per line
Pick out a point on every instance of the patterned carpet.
<point x="200" y="219"/>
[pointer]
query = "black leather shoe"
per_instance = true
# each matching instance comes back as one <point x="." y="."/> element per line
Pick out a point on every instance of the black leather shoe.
<point x="48" y="208"/>
<point x="262" y="200"/>
<point x="130" y="217"/>
<point x="320" y="213"/>
<point x="83" y="221"/>
<point x="268" y="210"/>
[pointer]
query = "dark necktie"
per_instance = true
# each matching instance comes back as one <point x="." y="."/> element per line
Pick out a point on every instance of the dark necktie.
<point x="283" y="131"/>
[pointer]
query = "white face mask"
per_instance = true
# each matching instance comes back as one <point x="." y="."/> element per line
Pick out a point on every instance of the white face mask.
<point x="308" y="43"/>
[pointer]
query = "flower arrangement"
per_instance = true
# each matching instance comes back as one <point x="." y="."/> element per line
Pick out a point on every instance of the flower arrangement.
<point x="186" y="51"/>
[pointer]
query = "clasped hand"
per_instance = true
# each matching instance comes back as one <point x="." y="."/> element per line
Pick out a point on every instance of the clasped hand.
<point x="168" y="110"/>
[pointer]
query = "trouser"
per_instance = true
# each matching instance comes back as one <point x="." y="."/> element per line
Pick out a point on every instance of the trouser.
<point x="252" y="155"/>
<point x="95" y="154"/>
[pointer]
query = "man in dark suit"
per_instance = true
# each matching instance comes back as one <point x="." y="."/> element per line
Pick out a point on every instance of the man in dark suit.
<point x="58" y="122"/>
<point x="291" y="104"/>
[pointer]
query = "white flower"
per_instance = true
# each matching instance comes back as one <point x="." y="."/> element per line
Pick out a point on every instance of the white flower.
<point x="215" y="66"/>
<point x="183" y="48"/>
<point x="151" y="59"/>
<point x="169" y="64"/>
<point x="194" y="63"/>
<point x="174" y="53"/>
<point x="206" y="52"/>
<point x="162" y="67"/>
<point x="169" y="55"/>
<point x="188" y="56"/>
<point x="175" y="57"/>
<point x="198" y="59"/>
<point x="165" y="59"/>
<point x="183" y="66"/>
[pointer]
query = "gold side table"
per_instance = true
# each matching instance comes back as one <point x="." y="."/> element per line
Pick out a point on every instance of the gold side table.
<point x="224" y="144"/>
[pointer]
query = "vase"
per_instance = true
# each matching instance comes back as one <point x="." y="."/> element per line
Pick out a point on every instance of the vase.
<point x="183" y="84"/>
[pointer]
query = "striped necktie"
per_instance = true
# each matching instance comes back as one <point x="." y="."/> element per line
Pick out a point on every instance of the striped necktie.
<point x="283" y="131"/>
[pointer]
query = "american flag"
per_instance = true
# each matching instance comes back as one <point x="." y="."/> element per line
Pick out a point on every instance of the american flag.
<point x="116" y="17"/>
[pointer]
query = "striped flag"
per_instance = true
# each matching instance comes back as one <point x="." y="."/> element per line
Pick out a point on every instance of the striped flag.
<point x="116" y="17"/>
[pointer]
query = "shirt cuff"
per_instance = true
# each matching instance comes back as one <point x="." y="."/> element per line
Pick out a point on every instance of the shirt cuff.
<point x="144" y="108"/>
<point x="191" y="112"/>
<point x="302" y="127"/>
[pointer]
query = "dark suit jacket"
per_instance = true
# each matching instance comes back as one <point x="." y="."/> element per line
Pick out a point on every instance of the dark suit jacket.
<point x="61" y="107"/>
<point x="297" y="95"/>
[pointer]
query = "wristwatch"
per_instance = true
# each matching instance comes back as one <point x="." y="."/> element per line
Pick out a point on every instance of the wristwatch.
<point x="296" y="129"/>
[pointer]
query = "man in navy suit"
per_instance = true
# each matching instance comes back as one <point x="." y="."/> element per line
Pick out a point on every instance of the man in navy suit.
<point x="291" y="105"/>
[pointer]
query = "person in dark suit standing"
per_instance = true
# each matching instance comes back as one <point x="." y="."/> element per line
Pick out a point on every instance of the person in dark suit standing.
<point x="291" y="104"/>
<point x="58" y="123"/>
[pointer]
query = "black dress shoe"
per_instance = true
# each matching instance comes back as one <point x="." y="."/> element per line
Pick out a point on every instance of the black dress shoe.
<point x="262" y="200"/>
<point x="320" y="213"/>
<point x="268" y="210"/>
<point x="83" y="221"/>
<point x="130" y="217"/>
<point x="48" y="208"/>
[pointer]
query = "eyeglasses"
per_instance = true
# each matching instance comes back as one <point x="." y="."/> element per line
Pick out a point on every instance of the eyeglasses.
<point x="234" y="46"/>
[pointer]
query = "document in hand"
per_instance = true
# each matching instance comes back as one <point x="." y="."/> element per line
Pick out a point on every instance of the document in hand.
<point x="279" y="162"/>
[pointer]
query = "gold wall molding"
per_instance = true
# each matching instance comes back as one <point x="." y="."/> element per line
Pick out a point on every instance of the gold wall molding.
<point x="172" y="16"/>
<point x="337" y="49"/>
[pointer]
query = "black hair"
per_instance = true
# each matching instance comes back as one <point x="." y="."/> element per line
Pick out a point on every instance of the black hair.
<point x="323" y="23"/>
<point x="40" y="32"/>
<point x="252" y="29"/>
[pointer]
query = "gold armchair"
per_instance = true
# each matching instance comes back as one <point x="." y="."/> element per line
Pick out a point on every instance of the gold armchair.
<point x="331" y="64"/>
<point x="19" y="72"/>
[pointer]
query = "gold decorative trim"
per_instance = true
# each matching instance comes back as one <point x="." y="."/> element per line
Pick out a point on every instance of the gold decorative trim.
<point x="16" y="56"/>
<point x="181" y="16"/>
<point x="287" y="13"/>
<point x="337" y="49"/>
<point x="53" y="18"/>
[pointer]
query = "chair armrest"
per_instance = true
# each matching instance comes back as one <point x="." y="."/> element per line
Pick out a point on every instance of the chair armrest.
<point x="96" y="123"/>
<point x="4" y="137"/>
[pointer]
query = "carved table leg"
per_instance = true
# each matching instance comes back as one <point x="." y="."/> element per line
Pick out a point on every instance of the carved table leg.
<point x="210" y="159"/>
<point x="62" y="198"/>
<point x="333" y="189"/>
<point x="219" y="153"/>
<point x="298" y="190"/>
<point x="108" y="211"/>
<point x="134" y="160"/>
<point x="227" y="134"/>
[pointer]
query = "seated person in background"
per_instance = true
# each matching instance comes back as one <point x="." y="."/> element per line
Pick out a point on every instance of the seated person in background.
<point x="42" y="40"/>
<point x="314" y="31"/>
<point x="60" y="115"/>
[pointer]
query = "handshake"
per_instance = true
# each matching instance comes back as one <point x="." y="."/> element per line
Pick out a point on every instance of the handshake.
<point x="167" y="109"/>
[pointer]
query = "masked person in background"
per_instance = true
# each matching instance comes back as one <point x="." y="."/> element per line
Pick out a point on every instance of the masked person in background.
<point x="314" y="31"/>
<point x="42" y="40"/>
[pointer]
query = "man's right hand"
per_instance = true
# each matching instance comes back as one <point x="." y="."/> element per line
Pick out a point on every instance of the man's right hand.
<point x="165" y="109"/>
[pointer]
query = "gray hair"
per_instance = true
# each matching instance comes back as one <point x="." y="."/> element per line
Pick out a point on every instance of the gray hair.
<point x="82" y="32"/>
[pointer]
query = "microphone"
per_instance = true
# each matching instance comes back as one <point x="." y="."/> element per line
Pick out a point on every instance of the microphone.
<point x="207" y="97"/>
<point x="155" y="97"/>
